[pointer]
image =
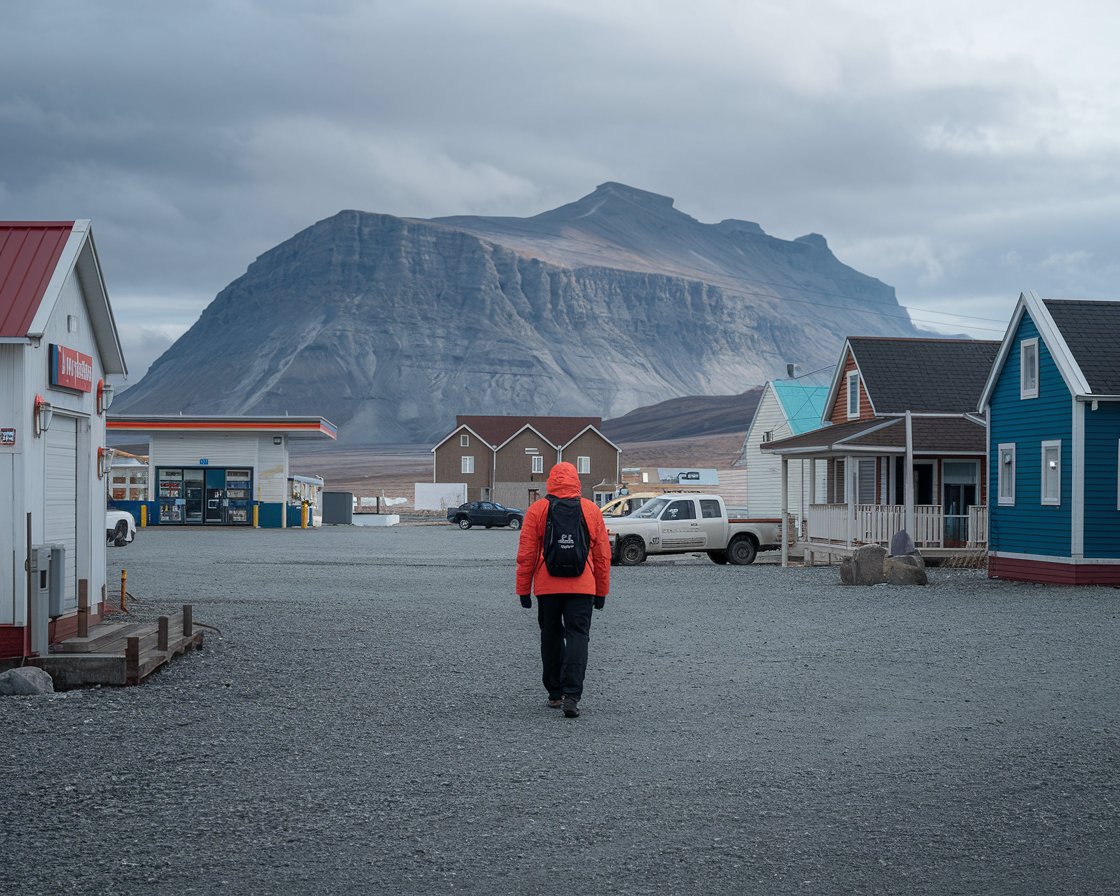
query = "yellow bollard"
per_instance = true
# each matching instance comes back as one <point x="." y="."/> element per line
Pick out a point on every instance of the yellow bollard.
<point x="256" y="516"/>
<point x="124" y="602"/>
<point x="143" y="516"/>
<point x="303" y="515"/>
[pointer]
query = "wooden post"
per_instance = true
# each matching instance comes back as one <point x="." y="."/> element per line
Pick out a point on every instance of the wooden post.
<point x="188" y="620"/>
<point x="83" y="608"/>
<point x="124" y="579"/>
<point x="161" y="638"/>
<point x="132" y="660"/>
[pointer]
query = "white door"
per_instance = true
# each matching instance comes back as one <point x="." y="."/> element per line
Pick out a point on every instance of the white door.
<point x="60" y="497"/>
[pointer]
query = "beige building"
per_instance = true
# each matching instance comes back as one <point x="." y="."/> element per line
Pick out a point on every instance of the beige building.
<point x="507" y="458"/>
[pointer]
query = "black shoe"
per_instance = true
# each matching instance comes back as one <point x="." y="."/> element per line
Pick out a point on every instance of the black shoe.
<point x="555" y="702"/>
<point x="571" y="707"/>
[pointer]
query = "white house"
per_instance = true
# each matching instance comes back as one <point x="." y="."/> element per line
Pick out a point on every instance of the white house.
<point x="787" y="408"/>
<point x="58" y="343"/>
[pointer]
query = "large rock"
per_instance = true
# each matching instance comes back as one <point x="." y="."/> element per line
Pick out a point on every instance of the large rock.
<point x="389" y="327"/>
<point x="27" y="681"/>
<point x="870" y="565"/>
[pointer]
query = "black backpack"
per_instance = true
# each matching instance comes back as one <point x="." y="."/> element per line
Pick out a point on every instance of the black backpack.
<point x="567" y="541"/>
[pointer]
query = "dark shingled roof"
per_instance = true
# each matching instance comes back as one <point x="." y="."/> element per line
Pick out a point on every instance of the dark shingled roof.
<point x="926" y="376"/>
<point x="1091" y="330"/>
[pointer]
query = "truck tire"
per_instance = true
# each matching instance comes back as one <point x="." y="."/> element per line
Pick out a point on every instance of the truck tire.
<point x="464" y="522"/>
<point x="719" y="557"/>
<point x="742" y="550"/>
<point x="632" y="551"/>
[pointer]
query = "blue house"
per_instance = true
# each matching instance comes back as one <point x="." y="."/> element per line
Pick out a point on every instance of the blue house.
<point x="1052" y="402"/>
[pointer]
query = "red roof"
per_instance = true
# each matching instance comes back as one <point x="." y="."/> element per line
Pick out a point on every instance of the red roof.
<point x="29" y="253"/>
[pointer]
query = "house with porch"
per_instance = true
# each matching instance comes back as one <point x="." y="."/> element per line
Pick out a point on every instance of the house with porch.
<point x="901" y="446"/>
<point x="507" y="458"/>
<point x="1052" y="402"/>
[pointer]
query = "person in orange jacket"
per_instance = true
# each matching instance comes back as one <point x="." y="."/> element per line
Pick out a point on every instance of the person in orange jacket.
<point x="563" y="604"/>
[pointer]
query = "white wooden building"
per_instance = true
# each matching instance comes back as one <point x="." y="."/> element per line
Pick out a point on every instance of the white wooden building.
<point x="786" y="408"/>
<point x="58" y="343"/>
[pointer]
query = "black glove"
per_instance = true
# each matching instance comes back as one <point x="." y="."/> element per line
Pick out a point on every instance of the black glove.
<point x="599" y="601"/>
<point x="526" y="601"/>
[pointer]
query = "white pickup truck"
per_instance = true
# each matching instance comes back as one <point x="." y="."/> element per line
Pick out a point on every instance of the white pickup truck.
<point x="687" y="523"/>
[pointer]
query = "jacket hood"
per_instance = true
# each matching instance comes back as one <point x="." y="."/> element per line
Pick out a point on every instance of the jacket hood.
<point x="563" y="481"/>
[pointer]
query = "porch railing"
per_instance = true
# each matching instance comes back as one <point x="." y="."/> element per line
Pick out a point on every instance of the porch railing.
<point x="878" y="523"/>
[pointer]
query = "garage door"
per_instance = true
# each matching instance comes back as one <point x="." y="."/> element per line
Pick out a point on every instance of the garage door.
<point x="60" y="511"/>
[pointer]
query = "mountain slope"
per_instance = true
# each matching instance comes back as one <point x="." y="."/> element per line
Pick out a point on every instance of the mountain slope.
<point x="391" y="326"/>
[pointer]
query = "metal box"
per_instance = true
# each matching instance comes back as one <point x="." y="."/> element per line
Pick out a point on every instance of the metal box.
<point x="40" y="597"/>
<point x="338" y="508"/>
<point x="56" y="581"/>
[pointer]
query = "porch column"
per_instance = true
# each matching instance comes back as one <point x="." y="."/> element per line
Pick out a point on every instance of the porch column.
<point x="785" y="511"/>
<point x="850" y="494"/>
<point x="908" y="473"/>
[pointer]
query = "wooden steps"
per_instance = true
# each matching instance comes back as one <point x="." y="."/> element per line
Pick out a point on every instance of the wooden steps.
<point x="119" y="653"/>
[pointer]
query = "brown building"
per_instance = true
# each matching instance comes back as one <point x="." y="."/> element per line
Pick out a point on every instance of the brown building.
<point x="507" y="459"/>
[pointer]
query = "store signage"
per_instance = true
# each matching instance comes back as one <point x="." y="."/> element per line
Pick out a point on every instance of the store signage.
<point x="203" y="461"/>
<point x="8" y="436"/>
<point x="70" y="369"/>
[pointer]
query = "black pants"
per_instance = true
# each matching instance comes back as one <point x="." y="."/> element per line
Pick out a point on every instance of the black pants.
<point x="565" y="621"/>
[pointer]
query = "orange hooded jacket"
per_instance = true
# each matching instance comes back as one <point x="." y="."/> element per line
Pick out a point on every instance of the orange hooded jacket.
<point x="532" y="574"/>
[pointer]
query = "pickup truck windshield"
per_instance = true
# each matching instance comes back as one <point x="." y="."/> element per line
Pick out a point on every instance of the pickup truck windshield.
<point x="652" y="509"/>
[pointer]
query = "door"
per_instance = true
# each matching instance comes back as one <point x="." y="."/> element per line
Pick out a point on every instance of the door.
<point x="214" y="512"/>
<point x="194" y="501"/>
<point x="958" y="490"/>
<point x="60" y="498"/>
<point x="679" y="526"/>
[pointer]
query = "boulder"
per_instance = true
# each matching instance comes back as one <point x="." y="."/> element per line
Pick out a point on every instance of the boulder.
<point x="864" y="566"/>
<point x="909" y="569"/>
<point x="26" y="681"/>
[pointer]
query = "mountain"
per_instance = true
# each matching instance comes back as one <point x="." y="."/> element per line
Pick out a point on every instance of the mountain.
<point x="687" y="417"/>
<point x="391" y="326"/>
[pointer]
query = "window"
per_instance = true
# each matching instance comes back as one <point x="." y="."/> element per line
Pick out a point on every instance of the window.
<point x="1028" y="368"/>
<point x="768" y="436"/>
<point x="679" y="510"/>
<point x="466" y="464"/>
<point x="1052" y="473"/>
<point x="538" y="463"/>
<point x="1005" y="473"/>
<point x="464" y="441"/>
<point x="709" y="509"/>
<point x="583" y="465"/>
<point x="853" y="394"/>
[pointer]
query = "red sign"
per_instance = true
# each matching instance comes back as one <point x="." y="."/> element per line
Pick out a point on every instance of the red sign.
<point x="70" y="369"/>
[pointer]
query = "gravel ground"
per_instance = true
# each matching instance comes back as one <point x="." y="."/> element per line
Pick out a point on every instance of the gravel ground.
<point x="371" y="721"/>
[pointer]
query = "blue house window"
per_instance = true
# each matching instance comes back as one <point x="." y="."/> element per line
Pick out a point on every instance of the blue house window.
<point x="1028" y="368"/>
<point x="1052" y="473"/>
<point x="1005" y="473"/>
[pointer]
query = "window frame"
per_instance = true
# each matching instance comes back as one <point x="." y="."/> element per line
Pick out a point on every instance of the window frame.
<point x="583" y="464"/>
<point x="464" y="440"/>
<point x="1044" y="477"/>
<point x="853" y="375"/>
<point x="466" y="465"/>
<point x="1005" y="486"/>
<point x="1026" y="391"/>
<point x="538" y="463"/>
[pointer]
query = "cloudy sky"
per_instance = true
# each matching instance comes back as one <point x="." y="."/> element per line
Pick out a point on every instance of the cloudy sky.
<point x="960" y="150"/>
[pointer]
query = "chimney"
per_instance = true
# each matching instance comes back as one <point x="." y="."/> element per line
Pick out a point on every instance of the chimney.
<point x="790" y="368"/>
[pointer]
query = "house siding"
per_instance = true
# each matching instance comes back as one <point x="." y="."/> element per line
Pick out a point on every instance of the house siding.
<point x="604" y="460"/>
<point x="1102" y="519"/>
<point x="513" y="465"/>
<point x="448" y="463"/>
<point x="1028" y="527"/>
<point x="838" y="413"/>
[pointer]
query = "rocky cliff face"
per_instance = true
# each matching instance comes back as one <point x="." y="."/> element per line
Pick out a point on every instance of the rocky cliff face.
<point x="390" y="327"/>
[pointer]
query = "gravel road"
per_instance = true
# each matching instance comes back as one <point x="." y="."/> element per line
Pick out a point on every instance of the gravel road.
<point x="371" y="721"/>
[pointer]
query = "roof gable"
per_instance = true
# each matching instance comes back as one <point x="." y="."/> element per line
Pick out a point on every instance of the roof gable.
<point x="801" y="404"/>
<point x="496" y="429"/>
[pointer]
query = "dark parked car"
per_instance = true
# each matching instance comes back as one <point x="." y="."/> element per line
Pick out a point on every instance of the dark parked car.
<point x="485" y="513"/>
